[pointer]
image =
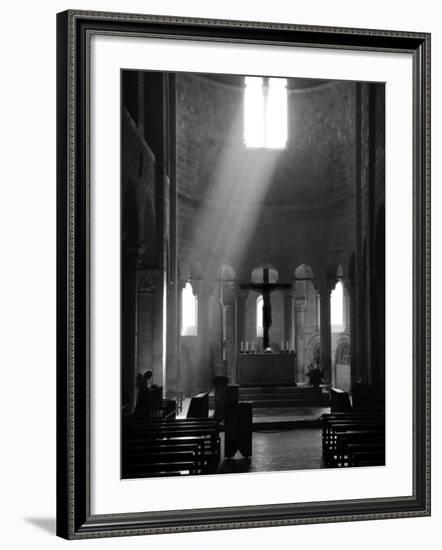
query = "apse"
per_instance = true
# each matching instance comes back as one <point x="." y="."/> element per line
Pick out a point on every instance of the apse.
<point x="229" y="213"/>
<point x="246" y="200"/>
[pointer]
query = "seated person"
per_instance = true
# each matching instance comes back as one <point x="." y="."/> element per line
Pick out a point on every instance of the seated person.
<point x="143" y="405"/>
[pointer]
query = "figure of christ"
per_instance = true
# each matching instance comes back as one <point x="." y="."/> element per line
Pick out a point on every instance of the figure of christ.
<point x="265" y="288"/>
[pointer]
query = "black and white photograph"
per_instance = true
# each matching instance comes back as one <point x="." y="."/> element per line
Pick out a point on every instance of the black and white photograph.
<point x="252" y="274"/>
<point x="222" y="265"/>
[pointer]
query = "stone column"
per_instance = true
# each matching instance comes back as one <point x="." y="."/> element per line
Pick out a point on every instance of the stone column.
<point x="149" y="324"/>
<point x="241" y="301"/>
<point x="180" y="286"/>
<point x="229" y="330"/>
<point x="350" y="326"/>
<point x="300" y="307"/>
<point x="203" y="292"/>
<point x="128" y="328"/>
<point x="324" y="289"/>
<point x="346" y="307"/>
<point x="172" y="320"/>
<point x="289" y="322"/>
<point x="216" y="338"/>
<point x="316" y="312"/>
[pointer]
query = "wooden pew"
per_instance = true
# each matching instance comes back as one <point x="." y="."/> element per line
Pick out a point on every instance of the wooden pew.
<point x="150" y="404"/>
<point x="353" y="439"/>
<point x="136" y="448"/>
<point x="199" y="406"/>
<point x="209" y="442"/>
<point x="339" y="401"/>
<point x="164" y="466"/>
<point x="149" y="445"/>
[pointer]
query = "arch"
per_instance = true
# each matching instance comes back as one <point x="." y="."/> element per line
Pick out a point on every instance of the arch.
<point x="337" y="308"/>
<point x="313" y="350"/>
<point x="189" y="311"/>
<point x="259" y="306"/>
<point x="342" y="355"/>
<point x="250" y="316"/>
<point x="225" y="273"/>
<point x="341" y="363"/>
<point x="257" y="275"/>
<point x="303" y="271"/>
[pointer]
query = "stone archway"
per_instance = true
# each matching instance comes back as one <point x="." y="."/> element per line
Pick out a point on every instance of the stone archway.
<point x="342" y="373"/>
<point x="313" y="351"/>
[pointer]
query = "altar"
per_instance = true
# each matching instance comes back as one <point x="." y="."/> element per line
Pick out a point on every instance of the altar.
<point x="266" y="368"/>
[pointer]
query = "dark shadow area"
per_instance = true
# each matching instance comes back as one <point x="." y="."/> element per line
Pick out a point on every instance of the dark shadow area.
<point x="46" y="524"/>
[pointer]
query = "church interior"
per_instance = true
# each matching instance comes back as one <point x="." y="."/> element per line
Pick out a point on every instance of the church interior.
<point x="252" y="273"/>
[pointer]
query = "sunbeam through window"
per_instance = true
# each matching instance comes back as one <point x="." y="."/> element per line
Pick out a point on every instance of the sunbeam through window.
<point x="265" y="112"/>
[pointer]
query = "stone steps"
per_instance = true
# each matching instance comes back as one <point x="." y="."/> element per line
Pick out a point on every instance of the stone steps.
<point x="284" y="396"/>
<point x="272" y="390"/>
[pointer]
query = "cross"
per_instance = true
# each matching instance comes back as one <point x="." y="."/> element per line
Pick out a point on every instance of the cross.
<point x="266" y="288"/>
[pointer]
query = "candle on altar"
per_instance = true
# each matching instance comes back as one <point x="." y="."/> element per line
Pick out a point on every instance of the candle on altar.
<point x="242" y="346"/>
<point x="282" y="346"/>
<point x="247" y="346"/>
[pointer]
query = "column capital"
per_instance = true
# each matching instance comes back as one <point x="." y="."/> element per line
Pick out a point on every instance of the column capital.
<point x="181" y="283"/>
<point x="227" y="301"/>
<point x="202" y="289"/>
<point x="241" y="293"/>
<point x="324" y="287"/>
<point x="228" y="293"/>
<point x="289" y="293"/>
<point x="236" y="290"/>
<point x="349" y="284"/>
<point x="148" y="281"/>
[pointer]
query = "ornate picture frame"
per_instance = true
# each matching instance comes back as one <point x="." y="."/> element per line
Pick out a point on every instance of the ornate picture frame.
<point x="75" y="517"/>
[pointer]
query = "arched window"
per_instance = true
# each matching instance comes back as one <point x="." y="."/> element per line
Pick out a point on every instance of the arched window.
<point x="318" y="310"/>
<point x="188" y="312"/>
<point x="337" y="308"/>
<point x="343" y="354"/>
<point x="265" y="112"/>
<point x="259" y="306"/>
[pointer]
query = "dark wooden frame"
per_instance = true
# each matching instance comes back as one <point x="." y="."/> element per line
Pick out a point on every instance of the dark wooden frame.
<point x="74" y="519"/>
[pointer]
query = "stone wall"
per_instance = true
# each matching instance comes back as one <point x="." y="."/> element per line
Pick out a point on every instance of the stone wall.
<point x="247" y="208"/>
<point x="318" y="202"/>
<point x="301" y="198"/>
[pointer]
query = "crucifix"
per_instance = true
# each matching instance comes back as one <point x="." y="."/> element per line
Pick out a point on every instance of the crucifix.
<point x="266" y="288"/>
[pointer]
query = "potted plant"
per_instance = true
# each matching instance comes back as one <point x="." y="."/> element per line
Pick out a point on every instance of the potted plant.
<point x="315" y="375"/>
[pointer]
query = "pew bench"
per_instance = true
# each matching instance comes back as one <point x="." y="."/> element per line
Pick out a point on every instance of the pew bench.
<point x="136" y="450"/>
<point x="144" y="441"/>
<point x="353" y="439"/>
<point x="164" y="467"/>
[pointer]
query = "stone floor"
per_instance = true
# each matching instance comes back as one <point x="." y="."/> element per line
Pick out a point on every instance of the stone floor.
<point x="277" y="450"/>
<point x="287" y="414"/>
<point x="274" y="414"/>
<point x="283" y="447"/>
